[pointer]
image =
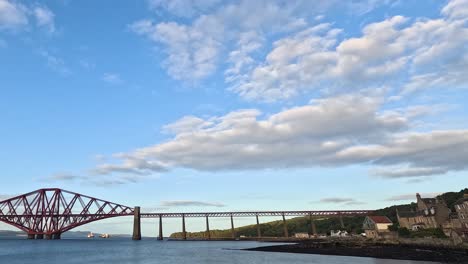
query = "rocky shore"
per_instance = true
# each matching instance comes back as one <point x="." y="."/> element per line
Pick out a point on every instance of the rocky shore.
<point x="373" y="249"/>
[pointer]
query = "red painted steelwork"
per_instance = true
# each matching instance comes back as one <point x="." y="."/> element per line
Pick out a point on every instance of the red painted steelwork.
<point x="54" y="211"/>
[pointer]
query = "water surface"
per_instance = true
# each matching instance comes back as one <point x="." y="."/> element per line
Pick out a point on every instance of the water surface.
<point x="149" y="251"/>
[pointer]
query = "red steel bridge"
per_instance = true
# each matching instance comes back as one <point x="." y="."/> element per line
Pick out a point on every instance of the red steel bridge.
<point x="47" y="213"/>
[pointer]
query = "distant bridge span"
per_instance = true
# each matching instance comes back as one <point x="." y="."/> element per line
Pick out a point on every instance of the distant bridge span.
<point x="47" y="213"/>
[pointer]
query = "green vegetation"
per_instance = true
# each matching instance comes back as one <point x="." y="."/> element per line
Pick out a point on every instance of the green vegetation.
<point x="404" y="232"/>
<point x="430" y="232"/>
<point x="295" y="225"/>
<point x="324" y="225"/>
<point x="451" y="197"/>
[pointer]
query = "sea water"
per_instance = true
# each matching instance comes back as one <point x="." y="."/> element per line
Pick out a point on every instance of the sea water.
<point x="149" y="251"/>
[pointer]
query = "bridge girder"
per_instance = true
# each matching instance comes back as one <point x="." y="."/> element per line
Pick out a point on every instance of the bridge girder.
<point x="54" y="211"/>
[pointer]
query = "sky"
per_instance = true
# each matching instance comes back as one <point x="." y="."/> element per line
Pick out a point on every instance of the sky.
<point x="210" y="105"/>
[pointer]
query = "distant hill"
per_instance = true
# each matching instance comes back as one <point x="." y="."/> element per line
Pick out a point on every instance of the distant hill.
<point x="324" y="225"/>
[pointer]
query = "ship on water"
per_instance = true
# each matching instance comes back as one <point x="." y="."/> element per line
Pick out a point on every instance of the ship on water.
<point x="90" y="235"/>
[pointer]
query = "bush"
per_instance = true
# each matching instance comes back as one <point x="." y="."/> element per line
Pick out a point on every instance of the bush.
<point x="430" y="232"/>
<point x="404" y="232"/>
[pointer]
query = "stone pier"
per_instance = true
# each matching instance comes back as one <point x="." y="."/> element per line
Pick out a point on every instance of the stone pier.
<point x="184" y="231"/>
<point x="136" y="224"/>
<point x="259" y="232"/>
<point x="285" y="227"/>
<point x="160" y="236"/>
<point x="341" y="222"/>
<point x="233" y="232"/>
<point x="208" y="234"/>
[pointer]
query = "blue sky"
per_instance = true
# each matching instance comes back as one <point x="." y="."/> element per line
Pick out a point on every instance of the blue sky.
<point x="208" y="105"/>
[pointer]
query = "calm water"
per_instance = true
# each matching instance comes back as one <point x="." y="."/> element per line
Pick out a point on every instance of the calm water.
<point x="118" y="251"/>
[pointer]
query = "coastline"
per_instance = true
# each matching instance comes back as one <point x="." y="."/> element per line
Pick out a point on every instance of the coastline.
<point x="381" y="250"/>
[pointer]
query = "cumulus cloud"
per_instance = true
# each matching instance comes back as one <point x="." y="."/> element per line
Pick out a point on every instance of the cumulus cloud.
<point x="416" y="154"/>
<point x="193" y="50"/>
<point x="336" y="131"/>
<point x="432" y="50"/>
<point x="309" y="57"/>
<point x="190" y="203"/>
<point x="16" y="16"/>
<point x="310" y="135"/>
<point x="12" y="15"/>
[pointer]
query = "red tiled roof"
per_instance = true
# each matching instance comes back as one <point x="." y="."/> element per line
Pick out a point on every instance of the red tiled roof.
<point x="380" y="219"/>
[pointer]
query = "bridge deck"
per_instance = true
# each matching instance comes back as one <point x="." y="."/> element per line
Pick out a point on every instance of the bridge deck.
<point x="261" y="213"/>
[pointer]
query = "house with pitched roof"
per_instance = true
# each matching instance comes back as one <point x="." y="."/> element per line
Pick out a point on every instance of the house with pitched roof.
<point x="376" y="226"/>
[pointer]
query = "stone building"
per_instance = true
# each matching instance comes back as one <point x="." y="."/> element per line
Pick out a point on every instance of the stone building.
<point x="461" y="206"/>
<point x="430" y="213"/>
<point x="376" y="226"/>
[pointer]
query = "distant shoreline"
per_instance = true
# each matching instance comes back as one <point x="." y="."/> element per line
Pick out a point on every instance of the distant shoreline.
<point x="374" y="250"/>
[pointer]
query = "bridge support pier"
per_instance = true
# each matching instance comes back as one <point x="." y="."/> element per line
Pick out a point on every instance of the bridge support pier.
<point x="341" y="222"/>
<point x="31" y="236"/>
<point x="136" y="224"/>
<point x="56" y="236"/>
<point x="39" y="236"/>
<point x="184" y="231"/>
<point x="259" y="232"/>
<point x="208" y="234"/>
<point x="314" y="228"/>
<point x="160" y="237"/>
<point x="233" y="232"/>
<point x="285" y="227"/>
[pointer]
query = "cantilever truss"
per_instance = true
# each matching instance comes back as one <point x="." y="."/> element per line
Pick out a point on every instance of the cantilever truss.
<point x="54" y="211"/>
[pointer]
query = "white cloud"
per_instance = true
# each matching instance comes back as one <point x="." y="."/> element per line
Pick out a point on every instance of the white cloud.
<point x="16" y="16"/>
<point x="332" y="132"/>
<point x="431" y="51"/>
<point x="414" y="154"/>
<point x="195" y="49"/>
<point x="12" y="15"/>
<point x="192" y="50"/>
<point x="293" y="63"/>
<point x="45" y="18"/>
<point x="456" y="9"/>
<point x="112" y="78"/>
<point x="304" y="136"/>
